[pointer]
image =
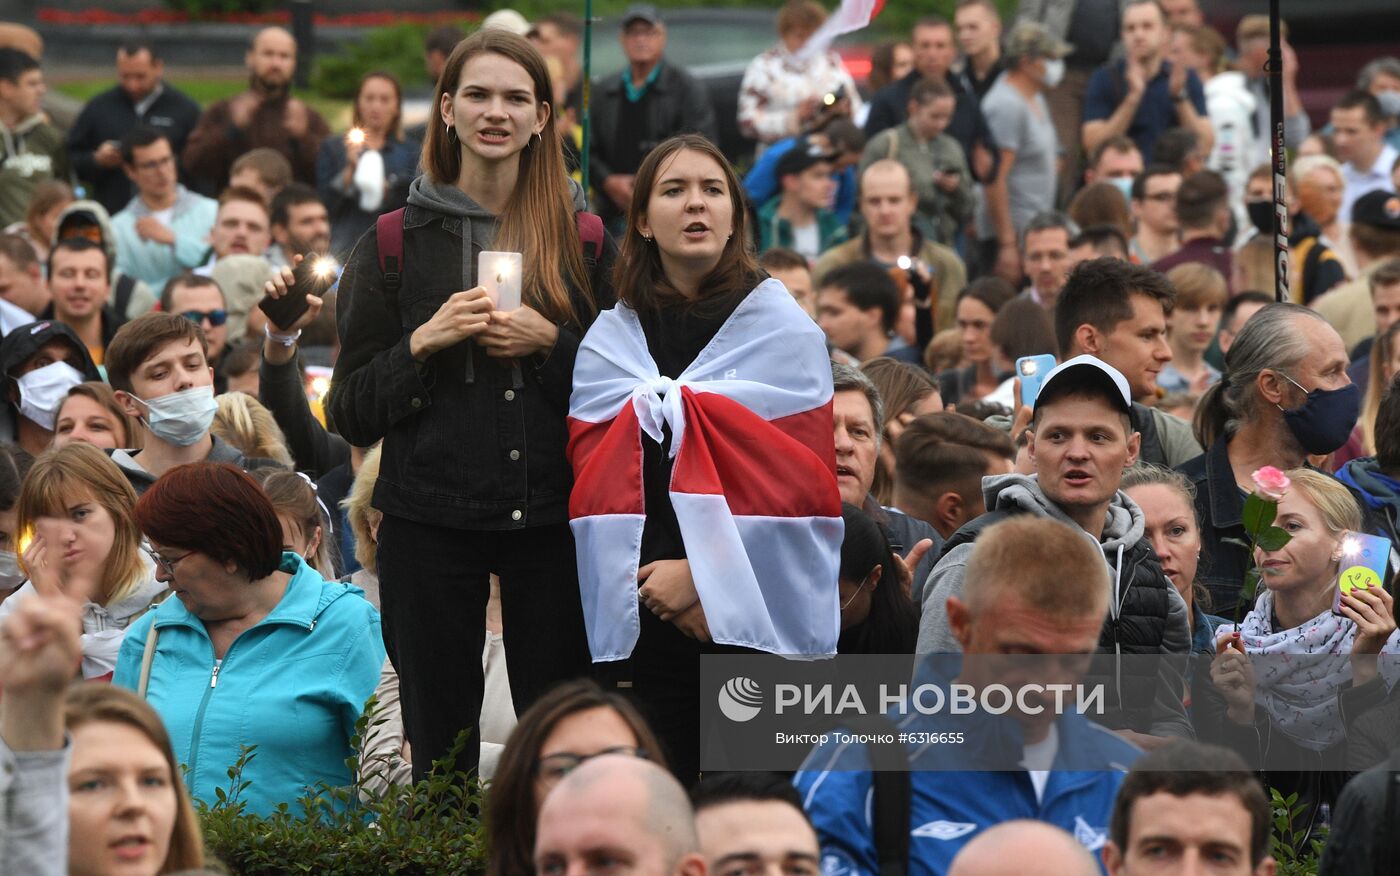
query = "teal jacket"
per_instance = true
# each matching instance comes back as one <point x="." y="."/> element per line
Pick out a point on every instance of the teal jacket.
<point x="293" y="685"/>
<point x="775" y="231"/>
<point x="154" y="263"/>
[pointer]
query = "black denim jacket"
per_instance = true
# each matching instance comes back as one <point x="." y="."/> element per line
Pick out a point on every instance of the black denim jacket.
<point x="469" y="443"/>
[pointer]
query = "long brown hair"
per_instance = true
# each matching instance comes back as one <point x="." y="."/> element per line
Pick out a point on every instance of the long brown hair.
<point x="538" y="221"/>
<point x="94" y="703"/>
<point x="511" y="813"/>
<point x="62" y="474"/>
<point x="638" y="276"/>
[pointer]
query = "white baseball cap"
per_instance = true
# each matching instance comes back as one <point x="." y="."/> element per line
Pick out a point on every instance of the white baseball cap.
<point x="1083" y="371"/>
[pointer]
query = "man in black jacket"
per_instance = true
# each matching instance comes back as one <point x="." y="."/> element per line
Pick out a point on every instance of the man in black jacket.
<point x="650" y="101"/>
<point x="140" y="97"/>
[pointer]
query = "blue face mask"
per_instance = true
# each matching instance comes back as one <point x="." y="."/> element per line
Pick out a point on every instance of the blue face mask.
<point x="181" y="418"/>
<point x="1324" y="421"/>
<point x="1123" y="184"/>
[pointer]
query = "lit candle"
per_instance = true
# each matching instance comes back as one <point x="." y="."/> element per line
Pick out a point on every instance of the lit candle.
<point x="499" y="273"/>
<point x="356" y="136"/>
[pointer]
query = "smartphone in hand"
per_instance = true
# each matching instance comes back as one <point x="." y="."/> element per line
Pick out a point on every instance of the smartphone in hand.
<point x="1362" y="565"/>
<point x="311" y="276"/>
<point x="1032" y="370"/>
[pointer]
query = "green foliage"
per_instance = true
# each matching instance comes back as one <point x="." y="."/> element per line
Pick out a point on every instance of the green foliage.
<point x="1258" y="513"/>
<point x="199" y="8"/>
<point x="1258" y="521"/>
<point x="397" y="49"/>
<point x="432" y="826"/>
<point x="1296" y="852"/>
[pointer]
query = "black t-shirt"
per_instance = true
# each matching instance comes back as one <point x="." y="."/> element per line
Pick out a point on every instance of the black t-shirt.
<point x="631" y="133"/>
<point x="1093" y="31"/>
<point x="675" y="336"/>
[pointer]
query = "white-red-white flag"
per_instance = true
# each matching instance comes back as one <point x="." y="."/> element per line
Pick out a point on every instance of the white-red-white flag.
<point x="753" y="482"/>
<point x="851" y="15"/>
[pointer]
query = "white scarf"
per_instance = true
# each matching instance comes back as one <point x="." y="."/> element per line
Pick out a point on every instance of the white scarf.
<point x="1303" y="669"/>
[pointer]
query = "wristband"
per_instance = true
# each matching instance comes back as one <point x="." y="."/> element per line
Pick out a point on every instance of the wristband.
<point x="284" y="340"/>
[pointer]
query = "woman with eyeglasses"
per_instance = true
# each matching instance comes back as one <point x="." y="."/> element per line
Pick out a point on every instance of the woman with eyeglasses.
<point x="575" y="721"/>
<point x="256" y="648"/>
<point x="76" y="512"/>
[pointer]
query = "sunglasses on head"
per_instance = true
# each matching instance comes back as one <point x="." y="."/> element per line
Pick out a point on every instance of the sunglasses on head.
<point x="216" y="317"/>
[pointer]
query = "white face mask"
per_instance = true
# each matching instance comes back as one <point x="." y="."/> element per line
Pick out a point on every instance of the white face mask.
<point x="11" y="576"/>
<point x="1054" y="71"/>
<point x="181" y="418"/>
<point x="42" y="391"/>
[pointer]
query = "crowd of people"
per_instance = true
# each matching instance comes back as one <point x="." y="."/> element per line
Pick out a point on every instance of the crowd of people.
<point x="981" y="356"/>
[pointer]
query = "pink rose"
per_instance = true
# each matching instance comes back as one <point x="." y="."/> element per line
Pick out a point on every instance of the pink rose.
<point x="1270" y="483"/>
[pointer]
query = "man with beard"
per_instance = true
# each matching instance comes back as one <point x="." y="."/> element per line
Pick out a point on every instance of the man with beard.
<point x="264" y="115"/>
<point x="300" y="225"/>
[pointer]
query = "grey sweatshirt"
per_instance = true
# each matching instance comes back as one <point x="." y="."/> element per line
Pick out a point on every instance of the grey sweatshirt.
<point x="1122" y="530"/>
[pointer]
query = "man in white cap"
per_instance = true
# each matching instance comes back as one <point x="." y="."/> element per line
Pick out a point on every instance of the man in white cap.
<point x="1081" y="440"/>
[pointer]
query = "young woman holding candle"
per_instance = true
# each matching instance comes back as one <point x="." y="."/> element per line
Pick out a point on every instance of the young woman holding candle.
<point x="368" y="171"/>
<point x="471" y="400"/>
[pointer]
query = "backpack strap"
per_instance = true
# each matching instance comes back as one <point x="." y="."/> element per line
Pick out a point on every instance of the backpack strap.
<point x="1151" y="449"/>
<point x="892" y="794"/>
<point x="590" y="234"/>
<point x="388" y="233"/>
<point x="126" y="287"/>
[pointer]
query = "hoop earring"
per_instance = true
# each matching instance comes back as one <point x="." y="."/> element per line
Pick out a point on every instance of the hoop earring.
<point x="538" y="139"/>
<point x="451" y="132"/>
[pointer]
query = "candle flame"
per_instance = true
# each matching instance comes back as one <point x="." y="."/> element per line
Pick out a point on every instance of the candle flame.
<point x="356" y="135"/>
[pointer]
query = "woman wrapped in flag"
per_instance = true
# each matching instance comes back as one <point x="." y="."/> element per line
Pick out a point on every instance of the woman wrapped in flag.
<point x="705" y="507"/>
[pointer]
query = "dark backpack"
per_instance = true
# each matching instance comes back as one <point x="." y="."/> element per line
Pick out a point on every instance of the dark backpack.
<point x="388" y="232"/>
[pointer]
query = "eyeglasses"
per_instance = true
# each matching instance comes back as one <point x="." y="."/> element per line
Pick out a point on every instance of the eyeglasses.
<point x="1161" y="197"/>
<point x="216" y="317"/>
<point x="167" y="564"/>
<point x="159" y="163"/>
<point x="552" y="769"/>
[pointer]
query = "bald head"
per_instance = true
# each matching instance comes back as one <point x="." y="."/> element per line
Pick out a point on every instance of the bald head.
<point x="1015" y="848"/>
<point x="272" y="59"/>
<point x="620" y="808"/>
<point x="887" y="200"/>
<point x="887" y="170"/>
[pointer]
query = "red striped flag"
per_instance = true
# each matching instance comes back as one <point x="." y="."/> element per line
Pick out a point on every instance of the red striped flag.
<point x="753" y="482"/>
<point x="851" y="15"/>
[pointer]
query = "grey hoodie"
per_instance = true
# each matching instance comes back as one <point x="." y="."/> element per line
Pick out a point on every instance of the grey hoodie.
<point x="481" y="224"/>
<point x="1122" y="530"/>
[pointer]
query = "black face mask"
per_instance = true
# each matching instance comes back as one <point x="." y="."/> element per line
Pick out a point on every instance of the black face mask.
<point x="1323" y="422"/>
<point x="1261" y="215"/>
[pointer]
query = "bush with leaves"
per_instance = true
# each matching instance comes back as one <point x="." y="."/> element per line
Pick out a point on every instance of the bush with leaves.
<point x="397" y="49"/>
<point x="432" y="826"/>
<point x="198" y="8"/>
<point x="1296" y="849"/>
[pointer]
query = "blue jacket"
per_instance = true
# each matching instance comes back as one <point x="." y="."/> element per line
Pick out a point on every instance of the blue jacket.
<point x="762" y="183"/>
<point x="293" y="685"/>
<point x="155" y="264"/>
<point x="949" y="808"/>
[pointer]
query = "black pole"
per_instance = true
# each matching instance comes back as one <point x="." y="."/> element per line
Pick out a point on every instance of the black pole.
<point x="1279" y="155"/>
<point x="304" y="32"/>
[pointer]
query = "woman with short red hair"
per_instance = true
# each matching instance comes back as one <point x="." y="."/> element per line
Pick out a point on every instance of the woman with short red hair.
<point x="255" y="649"/>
